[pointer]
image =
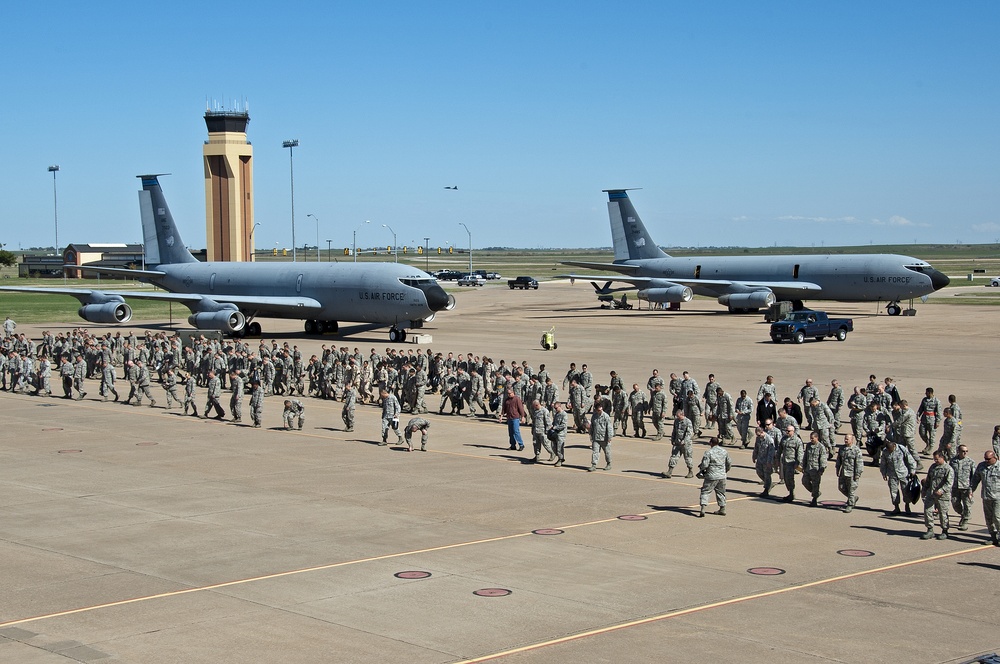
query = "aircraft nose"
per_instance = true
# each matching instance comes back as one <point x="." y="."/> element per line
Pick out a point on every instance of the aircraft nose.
<point x="938" y="279"/>
<point x="437" y="299"/>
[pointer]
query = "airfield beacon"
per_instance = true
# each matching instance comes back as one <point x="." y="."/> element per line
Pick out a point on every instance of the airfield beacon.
<point x="228" y="187"/>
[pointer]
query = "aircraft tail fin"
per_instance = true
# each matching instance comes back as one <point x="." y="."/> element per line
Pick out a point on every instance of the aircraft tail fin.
<point x="631" y="239"/>
<point x="161" y="241"/>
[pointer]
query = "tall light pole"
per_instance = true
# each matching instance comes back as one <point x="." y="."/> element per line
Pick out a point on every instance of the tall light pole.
<point x="462" y="224"/>
<point x="426" y="254"/>
<point x="317" y="234"/>
<point x="294" y="143"/>
<point x="354" y="250"/>
<point x="395" y="251"/>
<point x="253" y="254"/>
<point x="328" y="254"/>
<point x="55" y="202"/>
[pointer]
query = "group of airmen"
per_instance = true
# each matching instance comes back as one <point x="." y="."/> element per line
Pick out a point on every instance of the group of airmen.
<point x="400" y="382"/>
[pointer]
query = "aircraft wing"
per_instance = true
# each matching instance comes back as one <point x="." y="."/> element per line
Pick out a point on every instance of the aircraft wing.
<point x="721" y="286"/>
<point x="617" y="267"/>
<point x="270" y="303"/>
<point x="124" y="271"/>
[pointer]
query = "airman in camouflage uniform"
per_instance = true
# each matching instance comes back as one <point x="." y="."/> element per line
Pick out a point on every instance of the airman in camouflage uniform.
<point x="256" y="403"/>
<point x="835" y="401"/>
<point x="950" y="433"/>
<point x="416" y="424"/>
<point x="350" y="403"/>
<point x="712" y="469"/>
<point x="214" y="394"/>
<point x="744" y="411"/>
<point x="937" y="495"/>
<point x="814" y="459"/>
<point x="602" y="430"/>
<point x="806" y="395"/>
<point x="725" y="414"/>
<point x="236" y="400"/>
<point x="763" y="457"/>
<point x="680" y="444"/>
<point x="558" y="428"/>
<point x="850" y="465"/>
<point x="961" y="491"/>
<point x="905" y="426"/>
<point x="541" y="421"/>
<point x="988" y="474"/>
<point x="657" y="410"/>
<point x="930" y="416"/>
<point x="857" y="405"/>
<point x="790" y="451"/>
<point x="637" y="403"/>
<point x="896" y="464"/>
<point x="821" y="419"/>
<point x="170" y="387"/>
<point x="711" y="399"/>
<point x="295" y="410"/>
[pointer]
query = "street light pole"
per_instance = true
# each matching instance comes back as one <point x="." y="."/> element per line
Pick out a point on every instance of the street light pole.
<point x="294" y="143"/>
<point x="462" y="224"/>
<point x="426" y="254"/>
<point x="317" y="234"/>
<point x="328" y="254"/>
<point x="354" y="250"/>
<point x="253" y="254"/>
<point x="55" y="202"/>
<point x="395" y="251"/>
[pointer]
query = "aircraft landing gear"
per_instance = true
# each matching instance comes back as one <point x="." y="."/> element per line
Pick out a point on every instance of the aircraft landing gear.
<point x="321" y="326"/>
<point x="253" y="329"/>
<point x="893" y="309"/>
<point x="397" y="336"/>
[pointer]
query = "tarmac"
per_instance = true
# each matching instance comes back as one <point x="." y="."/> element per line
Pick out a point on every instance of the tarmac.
<point x="141" y="535"/>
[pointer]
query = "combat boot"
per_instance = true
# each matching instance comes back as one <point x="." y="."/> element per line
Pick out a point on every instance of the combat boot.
<point x="928" y="535"/>
<point x="535" y="460"/>
<point x="943" y="535"/>
<point x="690" y="474"/>
<point x="592" y="469"/>
<point x="658" y="436"/>
<point x="558" y="463"/>
<point x="701" y="512"/>
<point x="667" y="475"/>
<point x="963" y="525"/>
<point x="721" y="511"/>
<point x="895" y="508"/>
<point x="906" y="507"/>
<point x="608" y="467"/>
<point x="423" y="447"/>
<point x="812" y="503"/>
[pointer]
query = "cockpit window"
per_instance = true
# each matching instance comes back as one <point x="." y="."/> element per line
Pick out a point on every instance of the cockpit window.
<point x="418" y="283"/>
<point x="915" y="268"/>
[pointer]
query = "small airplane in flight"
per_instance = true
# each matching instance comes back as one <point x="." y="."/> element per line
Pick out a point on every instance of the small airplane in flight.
<point x="230" y="296"/>
<point x="748" y="283"/>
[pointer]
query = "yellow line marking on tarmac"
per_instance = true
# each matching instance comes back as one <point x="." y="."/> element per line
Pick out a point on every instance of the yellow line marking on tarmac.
<point x="304" y="570"/>
<point x="713" y="605"/>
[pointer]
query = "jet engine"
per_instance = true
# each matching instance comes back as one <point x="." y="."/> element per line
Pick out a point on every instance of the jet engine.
<point x="748" y="301"/>
<point x="229" y="321"/>
<point x="108" y="312"/>
<point x="669" y="294"/>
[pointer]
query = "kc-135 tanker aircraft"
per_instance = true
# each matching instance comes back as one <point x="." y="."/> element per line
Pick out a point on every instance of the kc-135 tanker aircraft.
<point x="231" y="296"/>
<point x="748" y="283"/>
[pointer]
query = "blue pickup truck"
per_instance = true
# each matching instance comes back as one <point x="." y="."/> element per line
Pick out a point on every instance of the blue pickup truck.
<point x="797" y="325"/>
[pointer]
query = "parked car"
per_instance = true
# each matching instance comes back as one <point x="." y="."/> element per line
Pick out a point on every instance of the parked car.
<point x="448" y="275"/>
<point x="995" y="282"/>
<point x="471" y="280"/>
<point x="524" y="283"/>
<point x="493" y="275"/>
<point x="798" y="325"/>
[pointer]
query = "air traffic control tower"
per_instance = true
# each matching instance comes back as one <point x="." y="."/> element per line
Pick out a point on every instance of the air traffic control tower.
<point x="228" y="187"/>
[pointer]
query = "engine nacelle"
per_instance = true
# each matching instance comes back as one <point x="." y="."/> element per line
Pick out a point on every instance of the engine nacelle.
<point x="108" y="312"/>
<point x="670" y="294"/>
<point x="754" y="300"/>
<point x="227" y="320"/>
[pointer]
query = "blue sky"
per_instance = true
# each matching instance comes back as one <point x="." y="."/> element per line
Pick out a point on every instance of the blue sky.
<point x="801" y="123"/>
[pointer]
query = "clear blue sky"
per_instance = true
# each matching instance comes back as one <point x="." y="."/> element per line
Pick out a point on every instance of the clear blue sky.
<point x="745" y="123"/>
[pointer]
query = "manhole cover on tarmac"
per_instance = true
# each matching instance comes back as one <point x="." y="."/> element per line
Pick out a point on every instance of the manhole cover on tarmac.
<point x="632" y="517"/>
<point x="412" y="574"/>
<point x="766" y="571"/>
<point x="492" y="592"/>
<point x="70" y="451"/>
<point x="147" y="444"/>
<point x="856" y="553"/>
<point x="547" y="531"/>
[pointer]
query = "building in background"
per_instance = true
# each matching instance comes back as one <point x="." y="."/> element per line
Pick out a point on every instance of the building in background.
<point x="228" y="187"/>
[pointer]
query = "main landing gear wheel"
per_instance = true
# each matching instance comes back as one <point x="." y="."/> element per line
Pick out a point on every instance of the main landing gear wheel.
<point x="893" y="309"/>
<point x="397" y="336"/>
<point x="253" y="329"/>
<point x="312" y="327"/>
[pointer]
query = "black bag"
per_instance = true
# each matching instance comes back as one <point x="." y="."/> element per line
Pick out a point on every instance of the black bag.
<point x="552" y="435"/>
<point x="911" y="489"/>
<point x="494" y="402"/>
